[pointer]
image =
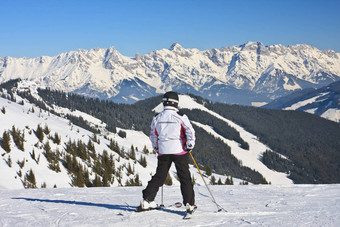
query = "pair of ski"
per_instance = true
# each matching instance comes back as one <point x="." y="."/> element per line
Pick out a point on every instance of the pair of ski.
<point x="187" y="215"/>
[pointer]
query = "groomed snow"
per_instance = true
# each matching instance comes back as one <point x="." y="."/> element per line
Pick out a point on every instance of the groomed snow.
<point x="256" y="205"/>
<point x="304" y="102"/>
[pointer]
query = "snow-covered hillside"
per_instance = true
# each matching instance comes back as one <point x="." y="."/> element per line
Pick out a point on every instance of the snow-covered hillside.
<point x="241" y="74"/>
<point x="26" y="117"/>
<point x="256" y="205"/>
<point x="22" y="118"/>
<point x="324" y="101"/>
<point x="66" y="205"/>
<point x="25" y="120"/>
<point x="250" y="158"/>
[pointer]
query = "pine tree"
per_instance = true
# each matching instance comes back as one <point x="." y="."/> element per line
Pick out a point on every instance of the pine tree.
<point x="46" y="130"/>
<point x="47" y="147"/>
<point x="212" y="180"/>
<point x="87" y="177"/>
<point x="3" y="110"/>
<point x="264" y="181"/>
<point x="97" y="168"/>
<point x="56" y="139"/>
<point x="219" y="182"/>
<point x="113" y="164"/>
<point x="5" y="142"/>
<point x="9" y="161"/>
<point x="21" y="164"/>
<point x="208" y="170"/>
<point x="108" y="165"/>
<point x="143" y="161"/>
<point x="81" y="150"/>
<point x="118" y="150"/>
<point x="20" y="173"/>
<point x="29" y="180"/>
<point x="106" y="179"/>
<point x="132" y="153"/>
<point x="40" y="133"/>
<point x="18" y="138"/>
<point x="68" y="163"/>
<point x="145" y="150"/>
<point x="79" y="178"/>
<point x="90" y="146"/>
<point x="112" y="144"/>
<point x="133" y="181"/>
<point x="129" y="170"/>
<point x="137" y="181"/>
<point x="33" y="155"/>
<point x="95" y="138"/>
<point x="43" y="185"/>
<point x="122" y="153"/>
<point x="53" y="159"/>
<point x="97" y="182"/>
<point x="227" y="181"/>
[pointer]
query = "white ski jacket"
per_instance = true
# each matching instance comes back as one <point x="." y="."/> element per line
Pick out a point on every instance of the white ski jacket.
<point x="172" y="133"/>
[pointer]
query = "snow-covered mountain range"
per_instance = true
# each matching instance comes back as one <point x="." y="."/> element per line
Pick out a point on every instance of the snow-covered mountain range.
<point x="42" y="156"/>
<point x="324" y="102"/>
<point x="242" y="74"/>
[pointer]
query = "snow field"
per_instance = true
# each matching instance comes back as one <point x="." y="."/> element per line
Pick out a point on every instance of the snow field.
<point x="257" y="205"/>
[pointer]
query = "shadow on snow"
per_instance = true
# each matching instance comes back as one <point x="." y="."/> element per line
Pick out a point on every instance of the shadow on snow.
<point x="108" y="206"/>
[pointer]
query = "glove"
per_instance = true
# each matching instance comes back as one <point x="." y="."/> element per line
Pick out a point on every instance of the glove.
<point x="189" y="147"/>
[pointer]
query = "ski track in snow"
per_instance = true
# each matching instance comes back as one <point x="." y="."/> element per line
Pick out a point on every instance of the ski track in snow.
<point x="257" y="205"/>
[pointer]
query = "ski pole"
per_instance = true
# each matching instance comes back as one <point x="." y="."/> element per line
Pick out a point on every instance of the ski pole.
<point x="162" y="205"/>
<point x="219" y="208"/>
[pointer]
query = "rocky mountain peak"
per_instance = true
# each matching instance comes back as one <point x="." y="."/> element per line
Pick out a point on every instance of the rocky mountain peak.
<point x="236" y="74"/>
<point x="176" y="46"/>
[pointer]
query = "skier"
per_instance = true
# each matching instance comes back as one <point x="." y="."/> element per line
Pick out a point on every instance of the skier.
<point x="172" y="137"/>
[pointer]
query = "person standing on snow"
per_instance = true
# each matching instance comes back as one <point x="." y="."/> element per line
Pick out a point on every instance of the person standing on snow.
<point x="172" y="136"/>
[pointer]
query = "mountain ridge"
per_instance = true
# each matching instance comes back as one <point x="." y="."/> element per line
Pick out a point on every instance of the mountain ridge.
<point x="237" y="74"/>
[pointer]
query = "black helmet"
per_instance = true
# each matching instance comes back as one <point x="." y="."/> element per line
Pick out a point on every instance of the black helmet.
<point x="170" y="99"/>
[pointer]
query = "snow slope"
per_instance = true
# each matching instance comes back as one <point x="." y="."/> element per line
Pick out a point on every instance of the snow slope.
<point x="255" y="205"/>
<point x="249" y="158"/>
<point x="304" y="102"/>
<point x="24" y="119"/>
<point x="324" y="102"/>
<point x="259" y="205"/>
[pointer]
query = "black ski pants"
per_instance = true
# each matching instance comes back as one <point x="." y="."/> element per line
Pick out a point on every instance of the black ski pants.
<point x="163" y="166"/>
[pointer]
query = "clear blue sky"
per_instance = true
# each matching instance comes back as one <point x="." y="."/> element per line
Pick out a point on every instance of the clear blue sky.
<point x="49" y="27"/>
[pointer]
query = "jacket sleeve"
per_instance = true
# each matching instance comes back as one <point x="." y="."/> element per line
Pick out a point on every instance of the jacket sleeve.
<point x="154" y="134"/>
<point x="189" y="132"/>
